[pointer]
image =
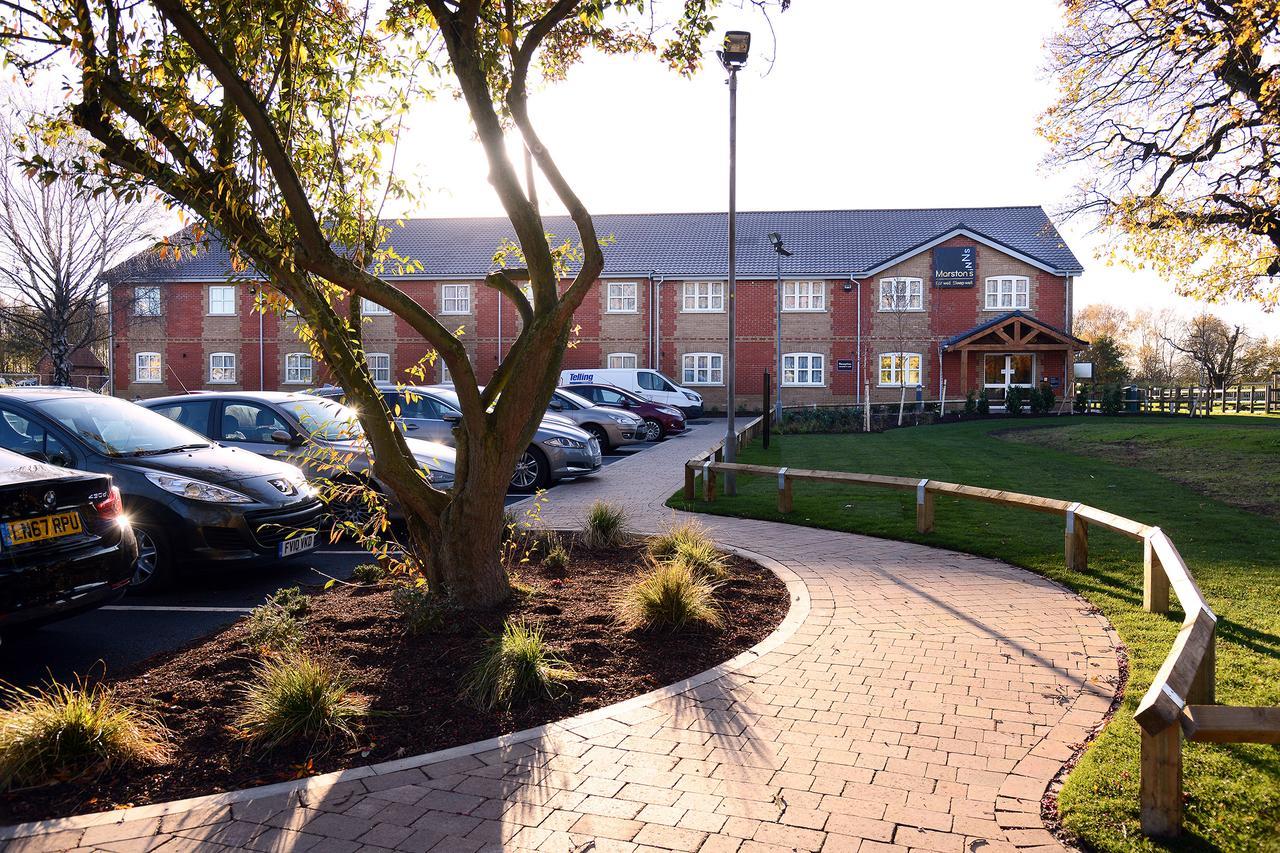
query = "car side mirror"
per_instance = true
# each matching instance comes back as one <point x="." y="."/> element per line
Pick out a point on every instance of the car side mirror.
<point x="555" y="406"/>
<point x="281" y="436"/>
<point x="451" y="417"/>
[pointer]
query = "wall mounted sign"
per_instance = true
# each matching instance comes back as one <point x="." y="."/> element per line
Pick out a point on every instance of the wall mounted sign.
<point x="844" y="365"/>
<point x="955" y="266"/>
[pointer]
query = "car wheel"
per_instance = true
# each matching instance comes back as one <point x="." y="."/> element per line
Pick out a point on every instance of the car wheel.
<point x="532" y="473"/>
<point x="652" y="430"/>
<point x="153" y="569"/>
<point x="600" y="436"/>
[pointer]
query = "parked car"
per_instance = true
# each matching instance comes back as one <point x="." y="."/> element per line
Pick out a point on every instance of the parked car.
<point x="189" y="500"/>
<point x="611" y="426"/>
<point x="65" y="546"/>
<point x="660" y="420"/>
<point x="281" y="424"/>
<point x="559" y="448"/>
<point x="650" y="384"/>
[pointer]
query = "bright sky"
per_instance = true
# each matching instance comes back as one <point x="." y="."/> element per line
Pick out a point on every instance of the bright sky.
<point x="928" y="103"/>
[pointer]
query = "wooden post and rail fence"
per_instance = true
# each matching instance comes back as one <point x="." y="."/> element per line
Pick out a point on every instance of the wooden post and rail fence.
<point x="1180" y="703"/>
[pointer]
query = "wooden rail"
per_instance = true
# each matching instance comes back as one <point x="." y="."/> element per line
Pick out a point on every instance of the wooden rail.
<point x="1180" y="701"/>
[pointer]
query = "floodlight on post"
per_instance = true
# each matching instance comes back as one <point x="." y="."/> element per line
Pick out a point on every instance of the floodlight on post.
<point x="781" y="251"/>
<point x="737" y="44"/>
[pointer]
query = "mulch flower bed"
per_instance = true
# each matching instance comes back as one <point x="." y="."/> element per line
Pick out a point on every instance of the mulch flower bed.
<point x="412" y="680"/>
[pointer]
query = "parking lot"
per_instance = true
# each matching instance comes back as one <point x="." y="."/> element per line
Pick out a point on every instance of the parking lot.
<point x="136" y="627"/>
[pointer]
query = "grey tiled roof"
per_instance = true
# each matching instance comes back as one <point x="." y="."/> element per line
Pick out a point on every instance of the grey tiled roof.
<point x="675" y="245"/>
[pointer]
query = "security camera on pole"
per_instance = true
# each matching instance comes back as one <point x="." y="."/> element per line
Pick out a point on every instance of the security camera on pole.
<point x="737" y="44"/>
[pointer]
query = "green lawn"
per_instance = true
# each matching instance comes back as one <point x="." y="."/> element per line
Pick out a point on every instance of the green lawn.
<point x="1233" y="791"/>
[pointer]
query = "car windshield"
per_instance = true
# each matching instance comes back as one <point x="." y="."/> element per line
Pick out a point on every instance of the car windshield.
<point x="575" y="399"/>
<point x="120" y="428"/>
<point x="324" y="419"/>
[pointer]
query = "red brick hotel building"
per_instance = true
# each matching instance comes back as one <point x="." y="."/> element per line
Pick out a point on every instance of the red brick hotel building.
<point x="976" y="297"/>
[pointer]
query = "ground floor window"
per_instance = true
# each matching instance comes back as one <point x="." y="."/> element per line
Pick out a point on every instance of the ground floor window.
<point x="222" y="367"/>
<point x="899" y="368"/>
<point x="379" y="366"/>
<point x="146" y="367"/>
<point x="703" y="368"/>
<point x="803" y="368"/>
<point x="298" y="368"/>
<point x="622" y="361"/>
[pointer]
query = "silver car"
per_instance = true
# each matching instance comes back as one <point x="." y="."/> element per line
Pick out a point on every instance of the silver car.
<point x="611" y="427"/>
<point x="281" y="424"/>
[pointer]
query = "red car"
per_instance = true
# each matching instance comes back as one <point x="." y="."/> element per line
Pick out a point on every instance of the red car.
<point x="659" y="421"/>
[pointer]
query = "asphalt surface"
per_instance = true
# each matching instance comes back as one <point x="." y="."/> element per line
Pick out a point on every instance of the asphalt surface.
<point x="112" y="638"/>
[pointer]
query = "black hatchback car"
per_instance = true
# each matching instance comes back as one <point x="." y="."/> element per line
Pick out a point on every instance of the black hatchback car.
<point x="65" y="546"/>
<point x="187" y="498"/>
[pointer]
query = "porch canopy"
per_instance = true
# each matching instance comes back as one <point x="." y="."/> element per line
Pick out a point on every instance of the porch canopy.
<point x="1015" y="332"/>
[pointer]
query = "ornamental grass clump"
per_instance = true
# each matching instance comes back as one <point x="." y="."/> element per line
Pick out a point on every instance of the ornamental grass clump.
<point x="664" y="545"/>
<point x="296" y="697"/>
<point x="66" y="731"/>
<point x="515" y="667"/>
<point x="703" y="558"/>
<point x="669" y="595"/>
<point x="555" y="553"/>
<point x="606" y="526"/>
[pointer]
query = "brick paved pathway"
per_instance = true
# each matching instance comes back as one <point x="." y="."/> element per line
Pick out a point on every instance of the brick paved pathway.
<point x="914" y="699"/>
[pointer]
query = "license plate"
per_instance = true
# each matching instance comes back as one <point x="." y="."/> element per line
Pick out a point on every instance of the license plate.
<point x="44" y="527"/>
<point x="297" y="545"/>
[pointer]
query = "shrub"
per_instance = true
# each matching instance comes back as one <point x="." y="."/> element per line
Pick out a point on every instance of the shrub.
<point x="1112" y="399"/>
<point x="830" y="419"/>
<point x="664" y="545"/>
<point x="669" y="595"/>
<point x="369" y="573"/>
<point x="515" y="666"/>
<point x="272" y="628"/>
<point x="63" y="731"/>
<point x="555" y="554"/>
<point x="422" y="610"/>
<point x="606" y="526"/>
<point x="291" y="600"/>
<point x="1047" y="397"/>
<point x="971" y="404"/>
<point x="984" y="403"/>
<point x="298" y="697"/>
<point x="1014" y="400"/>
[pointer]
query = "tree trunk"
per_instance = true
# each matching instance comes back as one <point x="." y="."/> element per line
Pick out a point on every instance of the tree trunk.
<point x="60" y="355"/>
<point x="466" y="554"/>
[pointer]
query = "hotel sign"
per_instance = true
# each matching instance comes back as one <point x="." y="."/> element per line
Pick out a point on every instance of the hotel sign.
<point x="955" y="266"/>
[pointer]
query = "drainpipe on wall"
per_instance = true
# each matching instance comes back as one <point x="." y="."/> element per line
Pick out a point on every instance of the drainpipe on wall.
<point x="941" y="347"/>
<point x="499" y="297"/>
<point x="111" y="341"/>
<point x="655" y="353"/>
<point x="857" y="346"/>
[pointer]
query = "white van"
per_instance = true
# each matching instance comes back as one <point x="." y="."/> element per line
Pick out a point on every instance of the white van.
<point x="649" y="384"/>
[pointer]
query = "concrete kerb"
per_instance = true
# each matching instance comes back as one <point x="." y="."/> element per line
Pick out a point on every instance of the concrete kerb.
<point x="797" y="591"/>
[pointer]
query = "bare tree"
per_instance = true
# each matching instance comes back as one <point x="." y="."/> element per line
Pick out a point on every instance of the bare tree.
<point x="1155" y="361"/>
<point x="1213" y="346"/>
<point x="57" y="239"/>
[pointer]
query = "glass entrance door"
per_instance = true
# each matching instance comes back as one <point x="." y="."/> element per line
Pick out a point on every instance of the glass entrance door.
<point x="1002" y="371"/>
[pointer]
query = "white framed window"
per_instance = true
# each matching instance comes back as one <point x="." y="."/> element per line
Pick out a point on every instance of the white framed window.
<point x="622" y="361"/>
<point x="371" y="308"/>
<point x="901" y="294"/>
<point x="298" y="368"/>
<point x="622" y="298"/>
<point x="146" y="303"/>
<point x="899" y="368"/>
<point x="804" y="296"/>
<point x="222" y="367"/>
<point x="1008" y="292"/>
<point x="804" y="368"/>
<point x="146" y="367"/>
<point x="704" y="296"/>
<point x="222" y="300"/>
<point x="703" y="368"/>
<point x="379" y="366"/>
<point x="455" y="299"/>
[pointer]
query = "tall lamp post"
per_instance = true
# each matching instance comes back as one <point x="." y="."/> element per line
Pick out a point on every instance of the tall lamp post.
<point x="737" y="44"/>
<point x="781" y="251"/>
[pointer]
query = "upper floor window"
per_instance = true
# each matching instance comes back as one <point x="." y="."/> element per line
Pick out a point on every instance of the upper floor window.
<point x="298" y="368"/>
<point x="379" y="366"/>
<point x="1008" y="291"/>
<point x="901" y="294"/>
<point x="703" y="368"/>
<point x="146" y="367"/>
<point x="804" y="296"/>
<point x="455" y="299"/>
<point x="622" y="360"/>
<point x="146" y="302"/>
<point x="222" y="299"/>
<point x="622" y="298"/>
<point x="222" y="367"/>
<point x="803" y="368"/>
<point x="899" y="368"/>
<point x="369" y="307"/>
<point x="704" y="296"/>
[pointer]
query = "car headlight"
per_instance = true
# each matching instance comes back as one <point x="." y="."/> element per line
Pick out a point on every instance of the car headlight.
<point x="691" y="396"/>
<point x="625" y="419"/>
<point x="560" y="441"/>
<point x="668" y="410"/>
<point x="197" y="490"/>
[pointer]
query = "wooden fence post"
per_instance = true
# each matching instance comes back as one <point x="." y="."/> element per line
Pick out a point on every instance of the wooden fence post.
<point x="708" y="482"/>
<point x="1204" y="685"/>
<point x="1155" y="583"/>
<point x="1160" y="784"/>
<point x="1076" y="540"/>
<point x="689" y="475"/>
<point x="924" y="507"/>
<point x="784" y="491"/>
